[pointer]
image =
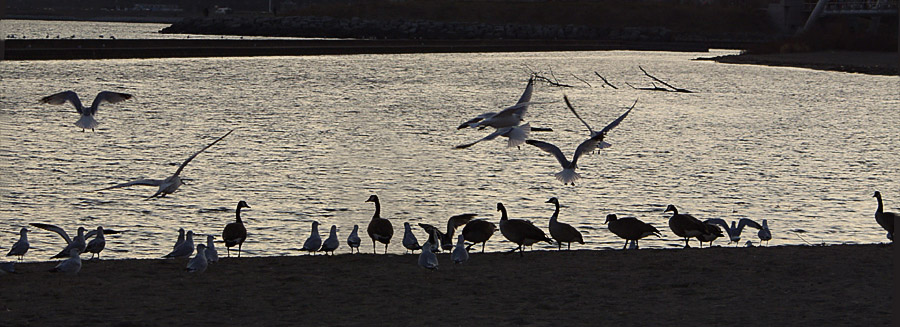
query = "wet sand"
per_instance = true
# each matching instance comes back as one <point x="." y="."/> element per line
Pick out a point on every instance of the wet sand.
<point x="875" y="63"/>
<point x="788" y="286"/>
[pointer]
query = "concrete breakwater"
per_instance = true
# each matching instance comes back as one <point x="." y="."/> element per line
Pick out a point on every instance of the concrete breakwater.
<point x="51" y="49"/>
<point x="313" y="26"/>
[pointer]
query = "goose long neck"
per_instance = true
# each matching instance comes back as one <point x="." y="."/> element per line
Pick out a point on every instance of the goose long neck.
<point x="503" y="215"/>
<point x="880" y="208"/>
<point x="555" y="213"/>
<point x="237" y="215"/>
<point x="674" y="212"/>
<point x="377" y="214"/>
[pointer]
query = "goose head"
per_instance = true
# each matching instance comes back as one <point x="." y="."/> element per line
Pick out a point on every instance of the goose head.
<point x="610" y="217"/>
<point x="553" y="200"/>
<point x="877" y="195"/>
<point x="671" y="208"/>
<point x="242" y="204"/>
<point x="372" y="198"/>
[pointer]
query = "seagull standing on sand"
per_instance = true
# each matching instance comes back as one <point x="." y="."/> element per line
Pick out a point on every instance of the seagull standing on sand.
<point x="235" y="233"/>
<point x="409" y="239"/>
<point x="72" y="265"/>
<point x="764" y="233"/>
<point x="180" y="238"/>
<point x="199" y="262"/>
<point x="21" y="246"/>
<point x="568" y="175"/>
<point x="353" y="241"/>
<point x="885" y="219"/>
<point x="314" y="241"/>
<point x="185" y="249"/>
<point x="331" y="243"/>
<point x="170" y="184"/>
<point x="97" y="244"/>
<point x="87" y="114"/>
<point x="76" y="243"/>
<point x="379" y="229"/>
<point x="211" y="254"/>
<point x="734" y="231"/>
<point x="459" y="254"/>
<point x="427" y="259"/>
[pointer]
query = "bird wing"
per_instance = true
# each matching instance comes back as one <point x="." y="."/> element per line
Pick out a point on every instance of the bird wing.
<point x="486" y="138"/>
<point x="552" y="149"/>
<point x="720" y="222"/>
<point x="62" y="97"/>
<point x="198" y="152"/>
<point x="569" y="104"/>
<point x="619" y="120"/>
<point x="587" y="146"/>
<point x="105" y="232"/>
<point x="55" y="229"/>
<point x="526" y="95"/>
<point x="148" y="182"/>
<point x="473" y="122"/>
<point x="110" y="97"/>
<point x="459" y="220"/>
<point x="747" y="222"/>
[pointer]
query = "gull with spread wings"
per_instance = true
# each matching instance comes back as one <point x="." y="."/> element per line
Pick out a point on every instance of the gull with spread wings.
<point x="568" y="174"/>
<point x="87" y="114"/>
<point x="170" y="184"/>
<point x="506" y="122"/>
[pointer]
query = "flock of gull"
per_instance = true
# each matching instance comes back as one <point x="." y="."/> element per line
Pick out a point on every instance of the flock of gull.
<point x="506" y="123"/>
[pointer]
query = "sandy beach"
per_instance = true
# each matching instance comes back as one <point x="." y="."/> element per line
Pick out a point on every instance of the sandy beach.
<point x="787" y="286"/>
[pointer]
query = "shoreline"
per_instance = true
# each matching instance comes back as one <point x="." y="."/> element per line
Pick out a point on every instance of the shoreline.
<point x="872" y="63"/>
<point x="785" y="285"/>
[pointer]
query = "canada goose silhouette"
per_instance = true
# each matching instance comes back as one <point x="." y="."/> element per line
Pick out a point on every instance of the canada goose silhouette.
<point x="630" y="229"/>
<point x="479" y="231"/>
<point x="885" y="219"/>
<point x="519" y="231"/>
<point x="235" y="233"/>
<point x="380" y="229"/>
<point x="562" y="232"/>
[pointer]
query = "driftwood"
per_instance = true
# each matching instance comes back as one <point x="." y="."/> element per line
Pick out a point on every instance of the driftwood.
<point x="552" y="80"/>
<point x="673" y="89"/>
<point x="582" y="80"/>
<point x="654" y="88"/>
<point x="605" y="81"/>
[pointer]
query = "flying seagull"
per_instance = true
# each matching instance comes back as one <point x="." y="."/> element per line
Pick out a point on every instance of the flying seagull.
<point x="568" y="174"/>
<point x="170" y="184"/>
<point x="87" y="114"/>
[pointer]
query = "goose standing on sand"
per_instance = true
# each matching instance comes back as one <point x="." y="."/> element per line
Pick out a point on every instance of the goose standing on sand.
<point x="885" y="219"/>
<point x="568" y="176"/>
<point x="212" y="256"/>
<point x="736" y="228"/>
<point x="630" y="229"/>
<point x="87" y="114"/>
<point x="185" y="249"/>
<point x="409" y="239"/>
<point x="71" y="243"/>
<point x="353" y="241"/>
<point x="96" y="245"/>
<point x="198" y="263"/>
<point x="235" y="233"/>
<point x="519" y="231"/>
<point x="685" y="226"/>
<point x="21" y="246"/>
<point x="479" y="231"/>
<point x="314" y="241"/>
<point x="331" y="243"/>
<point x="171" y="183"/>
<point x="562" y="232"/>
<point x="427" y="259"/>
<point x="72" y="265"/>
<point x="379" y="229"/>
<point x="764" y="233"/>
<point x="712" y="233"/>
<point x="459" y="254"/>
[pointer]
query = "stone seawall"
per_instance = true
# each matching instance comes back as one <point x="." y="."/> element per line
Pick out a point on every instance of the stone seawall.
<point x="309" y="26"/>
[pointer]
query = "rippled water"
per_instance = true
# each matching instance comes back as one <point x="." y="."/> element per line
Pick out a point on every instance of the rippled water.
<point x="316" y="135"/>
